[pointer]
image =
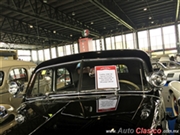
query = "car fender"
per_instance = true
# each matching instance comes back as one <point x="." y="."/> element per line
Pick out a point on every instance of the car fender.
<point x="174" y="86"/>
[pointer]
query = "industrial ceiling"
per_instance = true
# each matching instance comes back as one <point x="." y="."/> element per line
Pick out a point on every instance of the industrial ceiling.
<point x="44" y="23"/>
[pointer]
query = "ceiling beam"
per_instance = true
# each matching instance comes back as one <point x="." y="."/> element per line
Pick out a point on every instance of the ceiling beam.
<point x="124" y="13"/>
<point x="47" y="20"/>
<point x="107" y="11"/>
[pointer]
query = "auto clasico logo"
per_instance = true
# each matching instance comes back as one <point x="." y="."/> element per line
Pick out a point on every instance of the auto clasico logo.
<point x="140" y="131"/>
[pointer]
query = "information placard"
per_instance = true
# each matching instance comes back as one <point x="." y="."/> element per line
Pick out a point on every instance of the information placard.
<point x="106" y="77"/>
<point x="107" y="104"/>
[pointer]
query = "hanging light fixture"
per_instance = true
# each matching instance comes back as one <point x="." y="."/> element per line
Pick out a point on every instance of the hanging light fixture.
<point x="73" y="13"/>
<point x="45" y="1"/>
<point x="145" y="9"/>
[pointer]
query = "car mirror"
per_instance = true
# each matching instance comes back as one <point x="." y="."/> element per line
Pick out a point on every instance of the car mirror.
<point x="15" y="88"/>
<point x="158" y="79"/>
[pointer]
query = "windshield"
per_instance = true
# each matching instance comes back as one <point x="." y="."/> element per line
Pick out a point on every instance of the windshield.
<point x="86" y="76"/>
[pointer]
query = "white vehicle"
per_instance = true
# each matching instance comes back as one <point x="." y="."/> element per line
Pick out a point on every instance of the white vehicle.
<point x="174" y="90"/>
<point x="171" y="69"/>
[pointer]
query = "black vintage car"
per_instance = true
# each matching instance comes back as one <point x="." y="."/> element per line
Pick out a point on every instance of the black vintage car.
<point x="100" y="92"/>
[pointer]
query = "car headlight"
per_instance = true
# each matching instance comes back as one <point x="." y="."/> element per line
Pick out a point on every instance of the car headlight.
<point x="3" y="111"/>
<point x="158" y="79"/>
<point x="19" y="118"/>
<point x="145" y="113"/>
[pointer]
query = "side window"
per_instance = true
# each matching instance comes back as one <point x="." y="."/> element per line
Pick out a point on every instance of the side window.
<point x="165" y="64"/>
<point x="18" y="74"/>
<point x="171" y="64"/>
<point x="63" y="78"/>
<point x="1" y="77"/>
<point x="43" y="83"/>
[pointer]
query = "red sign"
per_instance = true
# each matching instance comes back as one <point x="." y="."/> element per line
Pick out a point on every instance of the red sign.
<point x="85" y="44"/>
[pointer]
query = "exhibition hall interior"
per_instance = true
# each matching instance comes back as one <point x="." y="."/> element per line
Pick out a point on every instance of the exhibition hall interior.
<point x="89" y="66"/>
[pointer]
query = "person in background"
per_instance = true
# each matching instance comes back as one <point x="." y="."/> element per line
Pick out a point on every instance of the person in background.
<point x="172" y="58"/>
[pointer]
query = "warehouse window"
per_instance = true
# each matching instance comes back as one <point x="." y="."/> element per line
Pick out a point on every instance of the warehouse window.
<point x="129" y="41"/>
<point x="53" y="52"/>
<point x="169" y="37"/>
<point x="76" y="48"/>
<point x="119" y="42"/>
<point x="108" y="43"/>
<point x="94" y="45"/>
<point x="143" y="40"/>
<point x="156" y="39"/>
<point x="47" y="54"/>
<point x="24" y="55"/>
<point x="34" y="55"/>
<point x="60" y="51"/>
<point x="113" y="43"/>
<point x="68" y="49"/>
<point x="41" y="55"/>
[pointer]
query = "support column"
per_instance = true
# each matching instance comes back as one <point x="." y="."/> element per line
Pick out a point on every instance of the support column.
<point x="43" y="54"/>
<point x="105" y="48"/>
<point x="163" y="46"/>
<point x="149" y="42"/>
<point x="125" y="42"/>
<point x="95" y="45"/>
<point x="57" y="51"/>
<point x="37" y="56"/>
<point x="50" y="52"/>
<point x="136" y="40"/>
<point x="72" y="48"/>
<point x="31" y="55"/>
<point x="115" y="43"/>
<point x="100" y="43"/>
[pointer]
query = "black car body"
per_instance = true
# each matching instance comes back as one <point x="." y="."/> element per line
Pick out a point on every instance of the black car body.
<point x="78" y="105"/>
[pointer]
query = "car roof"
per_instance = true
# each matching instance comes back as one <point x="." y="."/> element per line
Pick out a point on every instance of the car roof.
<point x="13" y="63"/>
<point x="100" y="54"/>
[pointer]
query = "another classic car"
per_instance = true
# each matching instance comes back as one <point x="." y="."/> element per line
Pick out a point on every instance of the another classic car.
<point x="110" y="91"/>
<point x="171" y="69"/>
<point x="174" y="90"/>
<point x="11" y="70"/>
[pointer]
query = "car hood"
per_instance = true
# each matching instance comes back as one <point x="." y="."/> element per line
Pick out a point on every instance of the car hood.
<point x="89" y="114"/>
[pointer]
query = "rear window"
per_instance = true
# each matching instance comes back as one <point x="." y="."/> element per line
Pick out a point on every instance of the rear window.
<point x="18" y="74"/>
<point x="1" y="77"/>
